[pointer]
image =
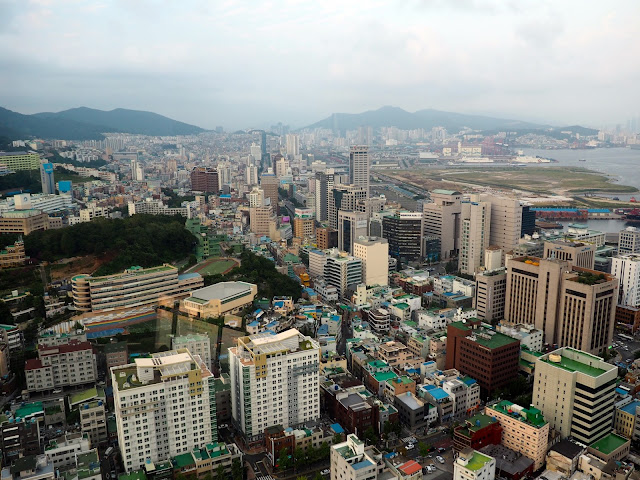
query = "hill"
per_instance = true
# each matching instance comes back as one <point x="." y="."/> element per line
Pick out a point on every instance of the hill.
<point x="89" y="124"/>
<point x="397" y="117"/>
<point x="123" y="120"/>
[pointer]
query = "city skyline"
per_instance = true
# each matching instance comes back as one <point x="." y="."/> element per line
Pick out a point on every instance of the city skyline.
<point x="237" y="65"/>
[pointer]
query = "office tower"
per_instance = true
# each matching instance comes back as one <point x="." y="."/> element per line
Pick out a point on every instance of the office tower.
<point x="205" y="180"/>
<point x="343" y="197"/>
<point x="255" y="154"/>
<point x="441" y="219"/>
<point x="274" y="161"/>
<point x="528" y="221"/>
<point x="373" y="252"/>
<point x="403" y="230"/>
<point x="575" y="392"/>
<point x="269" y="184"/>
<point x="351" y="225"/>
<point x="326" y="238"/>
<point x="196" y="344"/>
<point x="629" y="241"/>
<point x="263" y="148"/>
<point x="626" y="268"/>
<point x="303" y="223"/>
<point x="224" y="173"/>
<point x="473" y="465"/>
<point x="293" y="145"/>
<point x="359" y="167"/>
<point x="342" y="271"/>
<point x="274" y="381"/>
<point x="281" y="167"/>
<point x="488" y="356"/>
<point x="371" y="206"/>
<point x="573" y="306"/>
<point x="256" y="197"/>
<point x="252" y="175"/>
<point x="475" y="224"/>
<point x="505" y="226"/>
<point x="162" y="407"/>
<point x="574" y="253"/>
<point x="324" y="182"/>
<point x="524" y="430"/>
<point x="262" y="220"/>
<point x="351" y="461"/>
<point x="491" y="289"/>
<point x="46" y="178"/>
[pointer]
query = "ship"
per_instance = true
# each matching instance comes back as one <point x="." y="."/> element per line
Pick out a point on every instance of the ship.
<point x="633" y="215"/>
<point x="582" y="160"/>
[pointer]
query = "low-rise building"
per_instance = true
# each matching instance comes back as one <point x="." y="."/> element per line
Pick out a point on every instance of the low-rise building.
<point x="203" y="462"/>
<point x="19" y="438"/>
<point x="477" y="432"/>
<point x="473" y="465"/>
<point x="62" y="451"/>
<point x="61" y="366"/>
<point x="510" y="464"/>
<point x="350" y="461"/>
<point x="219" y="299"/>
<point x="610" y="447"/>
<point x="31" y="467"/>
<point x="626" y="418"/>
<point x="93" y="421"/>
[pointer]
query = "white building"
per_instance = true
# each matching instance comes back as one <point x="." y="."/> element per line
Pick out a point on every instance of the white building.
<point x="62" y="451"/>
<point x="274" y="381"/>
<point x="528" y="335"/>
<point x="350" y="461"/>
<point x="466" y="395"/>
<point x="162" y="407"/>
<point x="156" y="207"/>
<point x="61" y="366"/>
<point x="475" y="223"/>
<point x="317" y="260"/>
<point x="196" y="344"/>
<point x="341" y="271"/>
<point x="473" y="465"/>
<point x="627" y="269"/>
<point x="629" y="241"/>
<point x="373" y="252"/>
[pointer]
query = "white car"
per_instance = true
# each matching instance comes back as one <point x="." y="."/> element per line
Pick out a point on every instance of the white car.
<point x="325" y="472"/>
<point x="410" y="446"/>
<point x="440" y="459"/>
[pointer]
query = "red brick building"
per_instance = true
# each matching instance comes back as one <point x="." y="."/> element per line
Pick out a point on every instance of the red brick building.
<point x="205" y="180"/>
<point x="478" y="431"/>
<point x="628" y="318"/>
<point x="482" y="353"/>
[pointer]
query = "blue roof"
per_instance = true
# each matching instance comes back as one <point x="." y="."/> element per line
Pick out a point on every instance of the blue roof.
<point x="622" y="391"/>
<point x="186" y="276"/>
<point x="258" y="311"/>
<point x="337" y="428"/>
<point x="631" y="408"/>
<point x="363" y="464"/>
<point x="279" y="303"/>
<point x="323" y="329"/>
<point x="437" y="393"/>
<point x="253" y="324"/>
<point x="468" y="380"/>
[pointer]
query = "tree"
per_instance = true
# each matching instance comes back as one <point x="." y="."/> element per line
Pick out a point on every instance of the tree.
<point x="237" y="470"/>
<point x="5" y="313"/>
<point x="324" y="451"/>
<point x="192" y="260"/>
<point x="299" y="457"/>
<point x="337" y="438"/>
<point x="220" y="473"/>
<point x="423" y="449"/>
<point x="318" y="476"/>
<point x="451" y="266"/>
<point x="370" y="436"/>
<point x="283" y="460"/>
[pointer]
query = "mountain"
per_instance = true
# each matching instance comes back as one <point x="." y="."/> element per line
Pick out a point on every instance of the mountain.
<point x="89" y="124"/>
<point x="397" y="117"/>
<point x="123" y="120"/>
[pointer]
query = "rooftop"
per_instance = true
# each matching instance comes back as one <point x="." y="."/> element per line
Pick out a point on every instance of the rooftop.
<point x="133" y="272"/>
<point x="485" y="336"/>
<point x="531" y="416"/>
<point x="609" y="444"/>
<point x="572" y="365"/>
<point x="221" y="291"/>
<point x="477" y="461"/>
<point x="631" y="407"/>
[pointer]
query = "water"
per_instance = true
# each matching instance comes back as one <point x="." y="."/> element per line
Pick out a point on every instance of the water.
<point x="606" y="226"/>
<point x="621" y="163"/>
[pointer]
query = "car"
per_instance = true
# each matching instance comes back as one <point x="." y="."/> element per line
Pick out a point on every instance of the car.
<point x="325" y="472"/>
<point x="441" y="450"/>
<point x="410" y="446"/>
<point x="440" y="459"/>
<point x="57" y="391"/>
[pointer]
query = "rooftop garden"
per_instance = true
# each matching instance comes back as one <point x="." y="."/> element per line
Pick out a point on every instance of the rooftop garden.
<point x="588" y="278"/>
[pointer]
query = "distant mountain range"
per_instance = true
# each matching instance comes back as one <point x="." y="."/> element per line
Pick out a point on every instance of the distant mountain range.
<point x="89" y="124"/>
<point x="427" y="119"/>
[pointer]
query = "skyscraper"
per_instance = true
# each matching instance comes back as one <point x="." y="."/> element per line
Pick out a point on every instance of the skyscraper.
<point x="373" y="252"/>
<point x="205" y="180"/>
<point x="475" y="222"/>
<point x="403" y="230"/>
<point x="293" y="145"/>
<point x="351" y="225"/>
<point x="324" y="185"/>
<point x="442" y="220"/>
<point x="359" y="167"/>
<point x="47" y="179"/>
<point x="343" y="197"/>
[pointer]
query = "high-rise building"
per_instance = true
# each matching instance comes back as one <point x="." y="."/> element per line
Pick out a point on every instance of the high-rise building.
<point x="274" y="381"/>
<point x="505" y="222"/>
<point x="475" y="225"/>
<point x="343" y="197"/>
<point x="342" y="270"/>
<point x="574" y="307"/>
<point x="491" y="289"/>
<point x="351" y="226"/>
<point x="574" y="253"/>
<point x="575" y="392"/>
<point x="626" y="268"/>
<point x="262" y="220"/>
<point x="256" y="197"/>
<point x="196" y="344"/>
<point x="359" y="167"/>
<point x="403" y="230"/>
<point x="489" y="357"/>
<point x="293" y="145"/>
<point x="442" y="220"/>
<point x="16" y="161"/>
<point x="629" y="241"/>
<point x="282" y="167"/>
<point x="303" y="223"/>
<point x="47" y="179"/>
<point x="205" y="180"/>
<point x="326" y="238"/>
<point x="351" y="461"/>
<point x="269" y="184"/>
<point x="256" y="154"/>
<point x="224" y="173"/>
<point x="323" y="186"/>
<point x="528" y="221"/>
<point x="162" y="407"/>
<point x="373" y="252"/>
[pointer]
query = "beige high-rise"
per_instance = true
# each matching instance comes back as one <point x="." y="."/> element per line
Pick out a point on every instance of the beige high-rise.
<point x="441" y="218"/>
<point x="475" y="221"/>
<point x="575" y="253"/>
<point x="506" y="221"/>
<point x="373" y="252"/>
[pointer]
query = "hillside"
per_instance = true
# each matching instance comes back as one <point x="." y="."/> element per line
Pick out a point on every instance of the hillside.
<point x="397" y="117"/>
<point x="89" y="124"/>
<point x="123" y="120"/>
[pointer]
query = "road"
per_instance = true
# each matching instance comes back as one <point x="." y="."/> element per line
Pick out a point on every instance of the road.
<point x="632" y="347"/>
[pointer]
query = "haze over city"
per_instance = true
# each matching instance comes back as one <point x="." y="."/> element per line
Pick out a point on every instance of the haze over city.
<point x="241" y="64"/>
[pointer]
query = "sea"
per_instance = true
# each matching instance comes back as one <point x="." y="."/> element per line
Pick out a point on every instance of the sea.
<point x="622" y="164"/>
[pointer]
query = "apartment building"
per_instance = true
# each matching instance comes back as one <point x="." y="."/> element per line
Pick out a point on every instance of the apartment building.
<point x="62" y="451"/>
<point x="373" y="251"/>
<point x="341" y="271"/>
<point x="379" y="320"/>
<point x="573" y="306"/>
<point x="491" y="292"/>
<point x="524" y="430"/>
<point x="351" y="461"/>
<point x="93" y="421"/>
<point x="626" y="268"/>
<point x="61" y="366"/>
<point x="134" y="287"/>
<point x="574" y="390"/>
<point x="196" y="344"/>
<point x="475" y="224"/>
<point x="441" y="219"/>
<point x="473" y="465"/>
<point x="16" y="161"/>
<point x="394" y="354"/>
<point x="274" y="381"/>
<point x="154" y="207"/>
<point x="116" y="353"/>
<point x="465" y="392"/>
<point x="162" y="407"/>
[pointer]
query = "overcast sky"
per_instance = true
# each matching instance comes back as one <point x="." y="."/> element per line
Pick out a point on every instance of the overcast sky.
<point x="253" y="63"/>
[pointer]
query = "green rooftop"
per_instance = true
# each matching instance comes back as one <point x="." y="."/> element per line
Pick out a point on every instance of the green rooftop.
<point x="609" y="444"/>
<point x="384" y="376"/>
<point x="133" y="271"/>
<point x="484" y="336"/>
<point x="137" y="475"/>
<point x="572" y="365"/>
<point x="86" y="395"/>
<point x="29" y="409"/>
<point x="477" y="461"/>
<point x="183" y="460"/>
<point x="531" y="416"/>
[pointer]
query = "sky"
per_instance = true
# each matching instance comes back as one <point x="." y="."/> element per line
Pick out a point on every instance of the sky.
<point x="255" y="63"/>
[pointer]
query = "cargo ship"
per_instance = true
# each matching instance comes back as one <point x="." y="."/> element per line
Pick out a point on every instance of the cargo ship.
<point x="633" y="215"/>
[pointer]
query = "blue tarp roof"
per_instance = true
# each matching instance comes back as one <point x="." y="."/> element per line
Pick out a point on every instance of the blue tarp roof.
<point x="337" y="428"/>
<point x="253" y="324"/>
<point x="622" y="391"/>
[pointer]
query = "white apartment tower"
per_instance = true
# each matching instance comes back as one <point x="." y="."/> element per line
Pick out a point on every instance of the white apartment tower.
<point x="475" y="222"/>
<point x="359" y="166"/>
<point x="162" y="407"/>
<point x="293" y="145"/>
<point x="626" y="268"/>
<point x="374" y="253"/>
<point x="252" y="175"/>
<point x="274" y="381"/>
<point x="196" y="344"/>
